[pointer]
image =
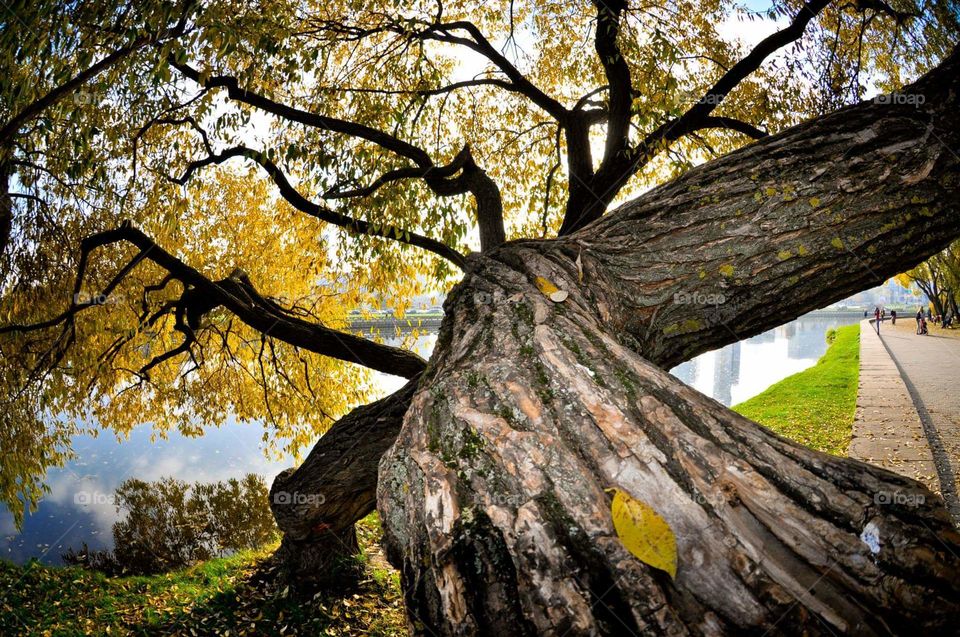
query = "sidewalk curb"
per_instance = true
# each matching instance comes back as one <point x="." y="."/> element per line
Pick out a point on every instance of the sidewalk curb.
<point x="887" y="430"/>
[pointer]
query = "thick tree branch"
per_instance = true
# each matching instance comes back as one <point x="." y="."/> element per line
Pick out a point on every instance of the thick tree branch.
<point x="477" y="42"/>
<point x="342" y="467"/>
<point x="733" y="124"/>
<point x="758" y="237"/>
<point x="361" y="131"/>
<point x="620" y="92"/>
<point x="490" y="207"/>
<point x="591" y="200"/>
<point x="430" y="92"/>
<point x="236" y="294"/>
<point x="739" y="72"/>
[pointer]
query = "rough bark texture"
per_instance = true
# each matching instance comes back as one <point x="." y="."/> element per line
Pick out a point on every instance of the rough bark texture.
<point x="780" y="227"/>
<point x="494" y="505"/>
<point x="316" y="504"/>
<point x="493" y="496"/>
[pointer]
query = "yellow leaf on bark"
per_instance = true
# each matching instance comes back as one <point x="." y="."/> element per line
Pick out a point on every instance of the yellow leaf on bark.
<point x="546" y="285"/>
<point x="644" y="533"/>
<point x="550" y="290"/>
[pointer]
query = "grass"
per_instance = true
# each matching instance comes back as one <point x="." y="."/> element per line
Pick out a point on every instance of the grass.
<point x="218" y="597"/>
<point x="816" y="406"/>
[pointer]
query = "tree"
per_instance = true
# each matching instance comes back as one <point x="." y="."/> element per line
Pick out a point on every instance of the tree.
<point x="495" y="466"/>
<point x="939" y="279"/>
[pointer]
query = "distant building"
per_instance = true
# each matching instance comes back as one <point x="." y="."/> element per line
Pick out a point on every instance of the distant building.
<point x="890" y="293"/>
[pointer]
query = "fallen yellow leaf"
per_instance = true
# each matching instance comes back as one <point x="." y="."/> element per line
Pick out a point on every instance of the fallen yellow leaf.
<point x="644" y="533"/>
<point x="550" y="290"/>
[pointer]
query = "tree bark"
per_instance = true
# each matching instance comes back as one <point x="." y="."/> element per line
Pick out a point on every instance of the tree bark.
<point x="494" y="497"/>
<point x="317" y="504"/>
<point x="494" y="506"/>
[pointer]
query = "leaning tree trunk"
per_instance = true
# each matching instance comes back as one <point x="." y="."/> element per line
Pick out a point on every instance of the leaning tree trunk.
<point x="317" y="504"/>
<point x="494" y="496"/>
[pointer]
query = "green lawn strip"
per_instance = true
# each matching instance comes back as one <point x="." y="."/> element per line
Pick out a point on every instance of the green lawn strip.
<point x="211" y="598"/>
<point x="816" y="406"/>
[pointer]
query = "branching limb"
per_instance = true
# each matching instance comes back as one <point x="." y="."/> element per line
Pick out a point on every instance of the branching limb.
<point x="590" y="197"/>
<point x="301" y="203"/>
<point x="353" y="129"/>
<point x="237" y="295"/>
<point x="474" y="180"/>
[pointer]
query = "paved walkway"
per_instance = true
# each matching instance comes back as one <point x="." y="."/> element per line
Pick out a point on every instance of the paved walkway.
<point x="930" y="367"/>
<point x="887" y="431"/>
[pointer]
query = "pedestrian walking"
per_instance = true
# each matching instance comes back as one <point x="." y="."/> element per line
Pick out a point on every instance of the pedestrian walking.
<point x="876" y="318"/>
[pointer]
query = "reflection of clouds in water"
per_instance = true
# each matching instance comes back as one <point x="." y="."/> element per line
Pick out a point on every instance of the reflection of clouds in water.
<point x="7" y="525"/>
<point x="79" y="507"/>
<point x="148" y="468"/>
<point x="87" y="495"/>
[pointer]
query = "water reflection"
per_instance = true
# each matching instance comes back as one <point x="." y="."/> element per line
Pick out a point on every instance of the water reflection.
<point x="79" y="508"/>
<point x="742" y="370"/>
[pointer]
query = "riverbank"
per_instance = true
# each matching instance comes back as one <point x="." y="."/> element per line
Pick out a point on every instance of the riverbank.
<point x="217" y="597"/>
<point x="816" y="406"/>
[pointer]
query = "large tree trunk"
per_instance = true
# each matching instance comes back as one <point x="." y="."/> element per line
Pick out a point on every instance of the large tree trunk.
<point x="494" y="502"/>
<point x="494" y="496"/>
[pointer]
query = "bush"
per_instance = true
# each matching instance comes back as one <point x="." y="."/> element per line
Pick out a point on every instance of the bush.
<point x="170" y="524"/>
<point x="831" y="335"/>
